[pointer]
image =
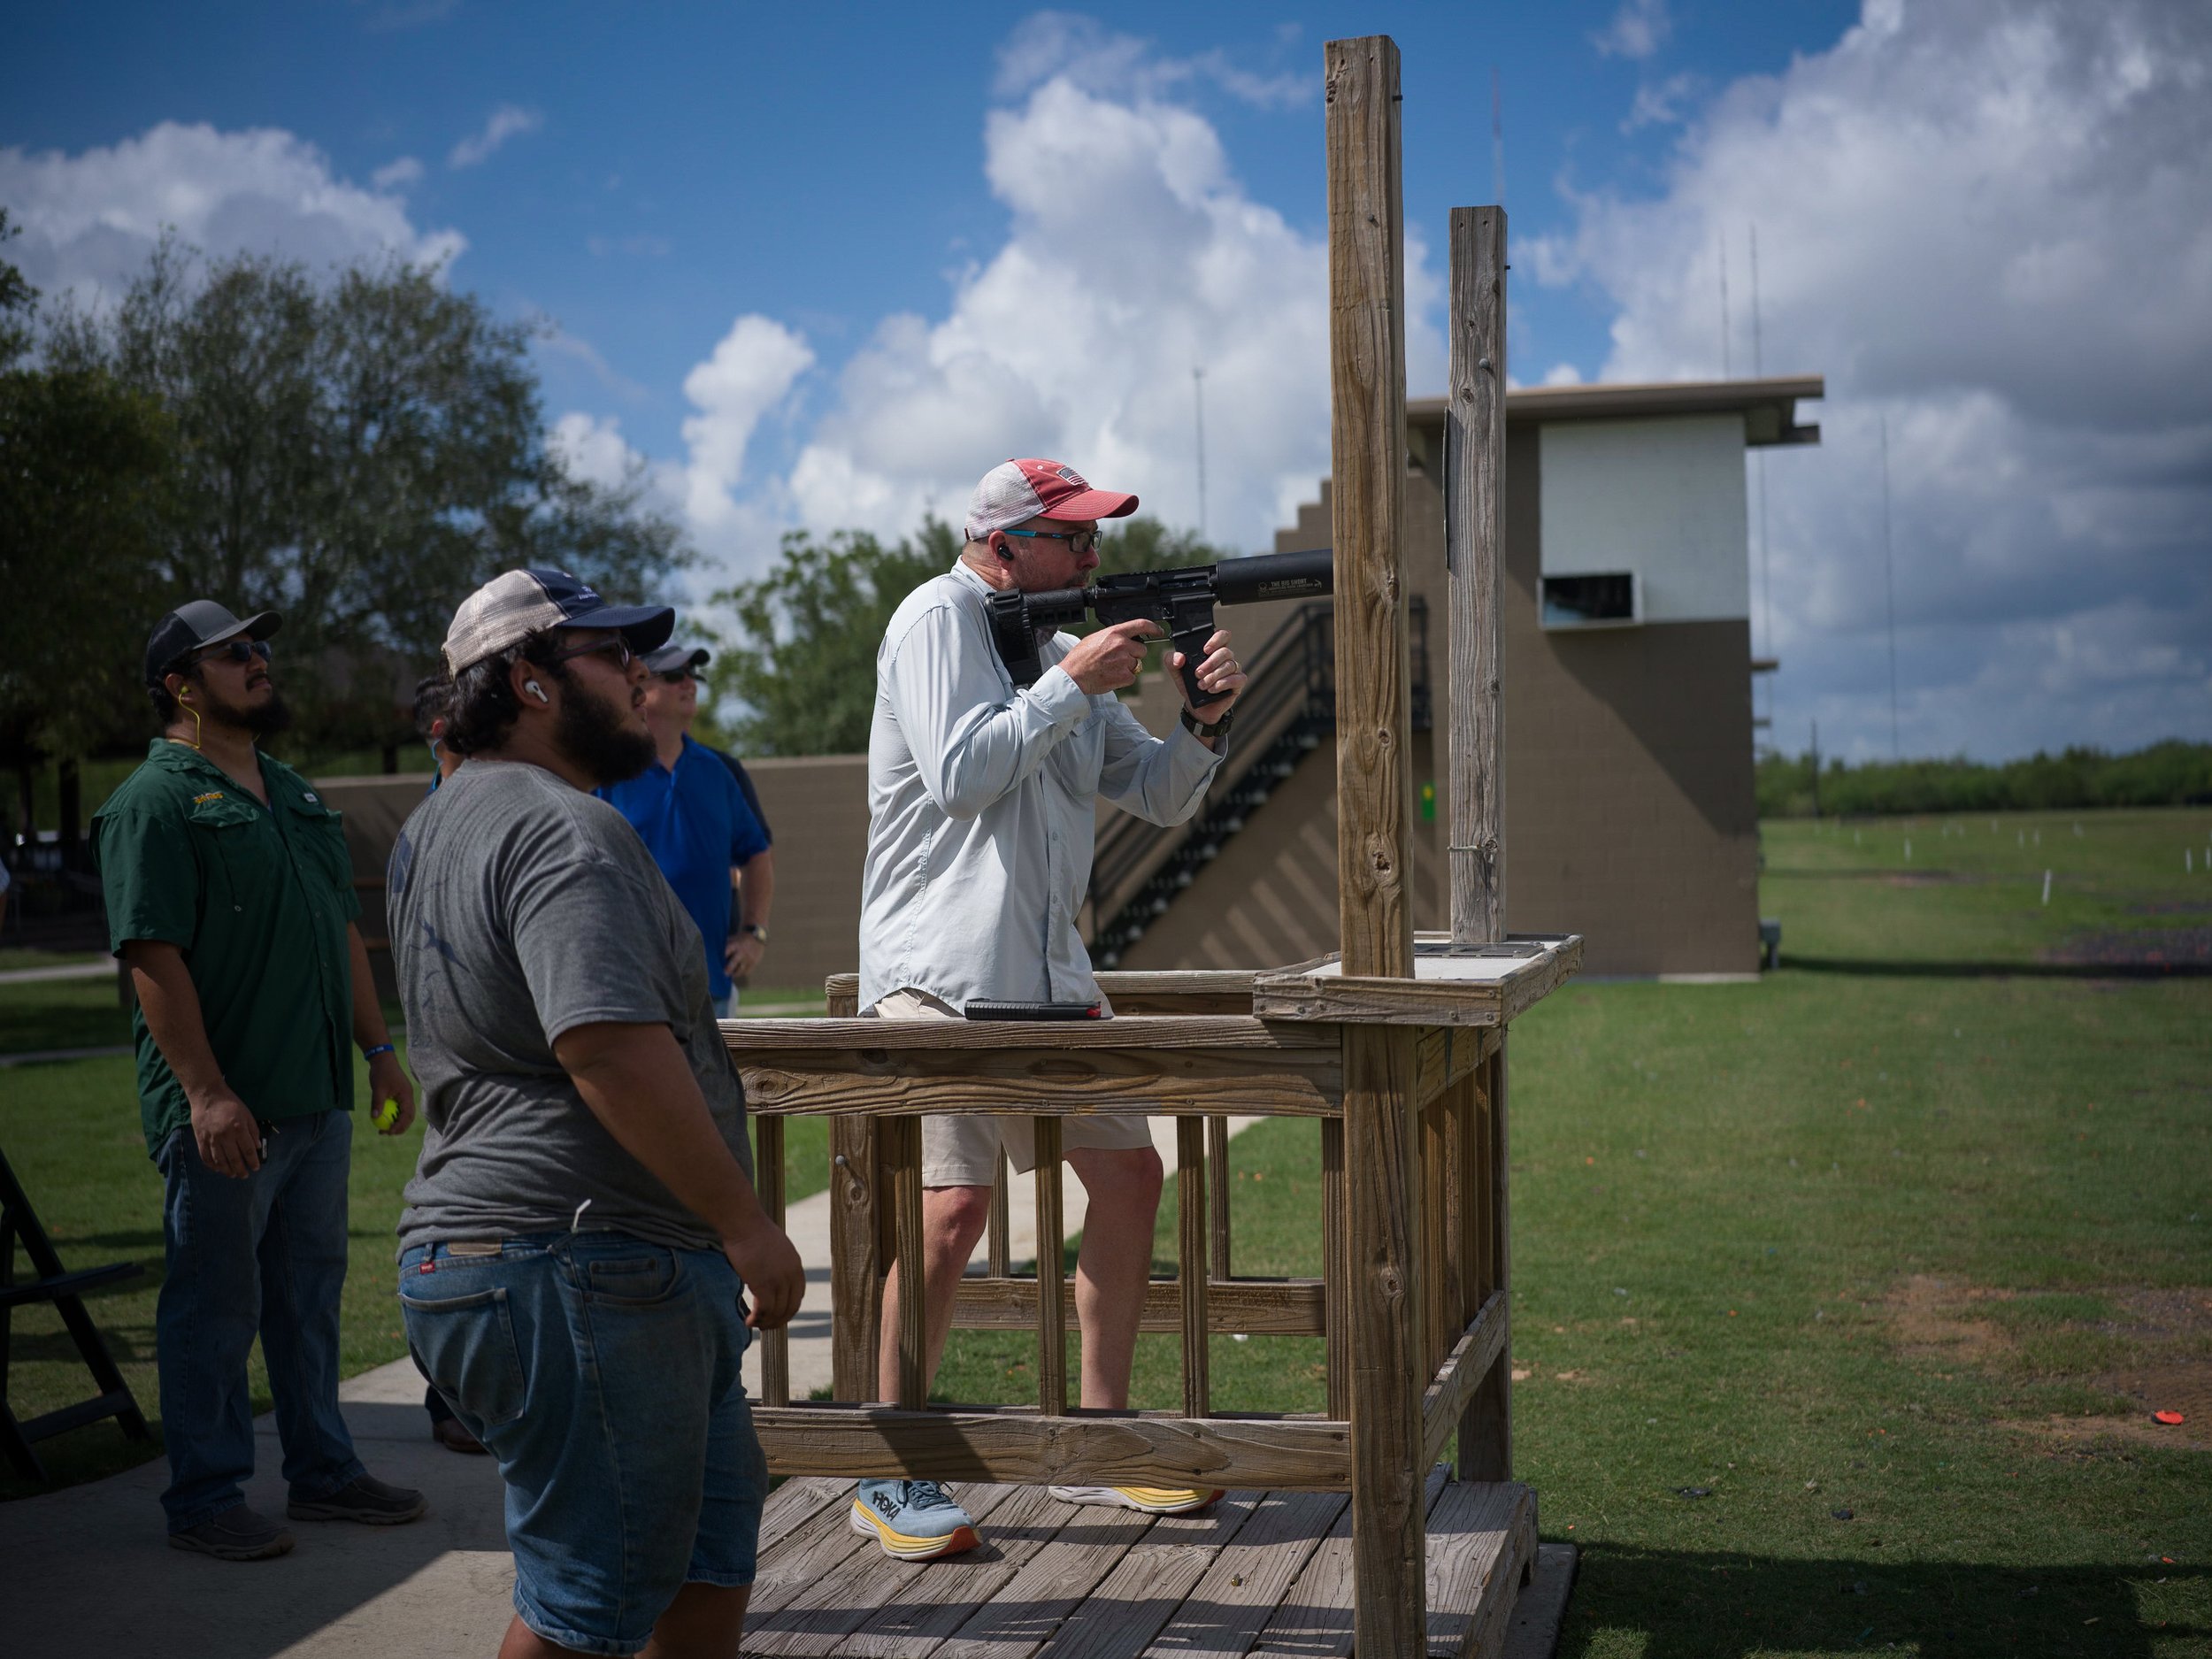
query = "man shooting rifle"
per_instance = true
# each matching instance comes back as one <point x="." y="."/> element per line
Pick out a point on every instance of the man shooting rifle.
<point x="1181" y="601"/>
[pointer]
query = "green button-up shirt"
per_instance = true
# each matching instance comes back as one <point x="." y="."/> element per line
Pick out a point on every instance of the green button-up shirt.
<point x="258" y="899"/>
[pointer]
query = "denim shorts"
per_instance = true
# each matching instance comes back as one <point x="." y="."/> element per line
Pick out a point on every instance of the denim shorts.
<point x="602" y="1371"/>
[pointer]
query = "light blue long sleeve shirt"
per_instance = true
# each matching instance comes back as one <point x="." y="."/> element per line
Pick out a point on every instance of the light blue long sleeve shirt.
<point x="982" y="806"/>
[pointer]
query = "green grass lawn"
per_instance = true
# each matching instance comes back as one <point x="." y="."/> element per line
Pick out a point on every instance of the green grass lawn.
<point x="1886" y="1233"/>
<point x="1919" y="1227"/>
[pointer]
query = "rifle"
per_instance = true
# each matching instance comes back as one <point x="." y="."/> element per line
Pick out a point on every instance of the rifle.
<point x="1181" y="601"/>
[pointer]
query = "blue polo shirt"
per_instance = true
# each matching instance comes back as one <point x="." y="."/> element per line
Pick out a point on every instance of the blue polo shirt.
<point x="695" y="823"/>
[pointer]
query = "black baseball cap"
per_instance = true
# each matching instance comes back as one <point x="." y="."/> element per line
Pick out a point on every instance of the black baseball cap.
<point x="669" y="658"/>
<point x="195" y="624"/>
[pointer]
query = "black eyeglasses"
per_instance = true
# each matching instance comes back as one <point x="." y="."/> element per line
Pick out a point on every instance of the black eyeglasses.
<point x="235" y="651"/>
<point x="1077" y="540"/>
<point x="617" y="648"/>
<point x="676" y="677"/>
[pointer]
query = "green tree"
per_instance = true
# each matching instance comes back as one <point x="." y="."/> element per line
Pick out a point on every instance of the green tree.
<point x="801" y="667"/>
<point x="85" y="463"/>
<point x="358" y="453"/>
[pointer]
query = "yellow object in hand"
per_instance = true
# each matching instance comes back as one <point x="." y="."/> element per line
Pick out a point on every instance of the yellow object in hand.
<point x="387" y="1115"/>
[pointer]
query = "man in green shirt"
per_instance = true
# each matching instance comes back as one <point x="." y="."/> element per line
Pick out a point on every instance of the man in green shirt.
<point x="230" y="900"/>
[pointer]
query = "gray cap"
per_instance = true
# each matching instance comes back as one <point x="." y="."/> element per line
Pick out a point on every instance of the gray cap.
<point x="669" y="658"/>
<point x="515" y="605"/>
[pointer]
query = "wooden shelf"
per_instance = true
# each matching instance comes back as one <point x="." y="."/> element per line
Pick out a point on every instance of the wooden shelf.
<point x="1488" y="986"/>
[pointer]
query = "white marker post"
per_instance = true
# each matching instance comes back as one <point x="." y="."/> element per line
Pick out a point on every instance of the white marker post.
<point x="2046" y="886"/>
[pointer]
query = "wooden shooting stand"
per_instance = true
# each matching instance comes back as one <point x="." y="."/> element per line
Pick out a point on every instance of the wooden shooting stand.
<point x="1341" y="1533"/>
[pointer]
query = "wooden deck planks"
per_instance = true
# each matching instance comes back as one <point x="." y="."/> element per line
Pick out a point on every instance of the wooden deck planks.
<point x="816" y="1551"/>
<point x="945" y="1594"/>
<point x="1146" y="1587"/>
<point x="1052" y="1584"/>
<point x="819" y="1618"/>
<point x="1261" y="1573"/>
<point x="1226" y="1609"/>
<point x="1314" y="1618"/>
<point x="1481" y="1533"/>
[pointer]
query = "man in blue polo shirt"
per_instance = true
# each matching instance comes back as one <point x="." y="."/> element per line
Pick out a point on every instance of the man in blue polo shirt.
<point x="693" y="816"/>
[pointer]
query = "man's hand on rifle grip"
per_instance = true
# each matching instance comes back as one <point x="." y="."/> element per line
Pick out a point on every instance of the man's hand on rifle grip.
<point x="1220" y="677"/>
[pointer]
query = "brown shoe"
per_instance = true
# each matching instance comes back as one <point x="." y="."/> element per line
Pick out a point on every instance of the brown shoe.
<point x="448" y="1432"/>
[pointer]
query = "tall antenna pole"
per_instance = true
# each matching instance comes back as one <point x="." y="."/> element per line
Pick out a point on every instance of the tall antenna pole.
<point x="1759" y="476"/>
<point x="1497" y="139"/>
<point x="1198" y="400"/>
<point x="1815" y="770"/>
<point x="1889" y="578"/>
<point x="1758" y="357"/>
<point x="1721" y="242"/>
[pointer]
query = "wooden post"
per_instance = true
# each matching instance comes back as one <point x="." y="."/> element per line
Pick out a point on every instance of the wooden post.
<point x="1375" y="810"/>
<point x="1474" y="552"/>
<point x="1001" y="1226"/>
<point x="902" y="1172"/>
<point x="1336" y="1274"/>
<point x="1218" y="1190"/>
<point x="1190" y="1263"/>
<point x="855" y="1261"/>
<point x="1486" y="1428"/>
<point x="775" y="1348"/>
<point x="1474" y="545"/>
<point x="1052" y="1340"/>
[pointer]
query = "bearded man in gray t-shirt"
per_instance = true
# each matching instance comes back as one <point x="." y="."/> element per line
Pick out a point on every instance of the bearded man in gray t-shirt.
<point x="582" y="1225"/>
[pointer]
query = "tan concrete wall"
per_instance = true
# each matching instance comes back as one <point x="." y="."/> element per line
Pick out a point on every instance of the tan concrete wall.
<point x="818" y="809"/>
<point x="1630" y="811"/>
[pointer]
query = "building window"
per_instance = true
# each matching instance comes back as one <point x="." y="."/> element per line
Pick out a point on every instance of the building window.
<point x="1598" y="599"/>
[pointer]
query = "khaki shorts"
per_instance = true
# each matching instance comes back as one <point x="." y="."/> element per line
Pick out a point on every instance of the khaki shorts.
<point x="962" y="1148"/>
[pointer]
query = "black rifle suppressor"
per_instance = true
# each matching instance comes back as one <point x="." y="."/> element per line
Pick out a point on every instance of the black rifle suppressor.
<point x="1181" y="601"/>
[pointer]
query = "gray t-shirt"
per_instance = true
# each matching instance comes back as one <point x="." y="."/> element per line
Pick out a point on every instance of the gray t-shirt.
<point x="520" y="908"/>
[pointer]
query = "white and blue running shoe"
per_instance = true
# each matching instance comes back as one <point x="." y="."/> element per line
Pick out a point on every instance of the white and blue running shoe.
<point x="913" y="1520"/>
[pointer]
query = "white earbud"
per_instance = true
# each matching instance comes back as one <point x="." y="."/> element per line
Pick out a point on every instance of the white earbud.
<point x="535" y="690"/>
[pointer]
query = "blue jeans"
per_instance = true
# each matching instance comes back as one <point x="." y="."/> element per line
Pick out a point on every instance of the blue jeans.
<point x="265" y="1253"/>
<point x="602" y="1371"/>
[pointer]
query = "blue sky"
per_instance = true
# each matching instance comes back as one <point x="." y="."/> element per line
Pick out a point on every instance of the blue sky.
<point x="821" y="264"/>
<point x="824" y="166"/>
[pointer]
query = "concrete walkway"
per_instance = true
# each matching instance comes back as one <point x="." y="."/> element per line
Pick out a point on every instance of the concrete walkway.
<point x="89" y="1570"/>
<point x="104" y="969"/>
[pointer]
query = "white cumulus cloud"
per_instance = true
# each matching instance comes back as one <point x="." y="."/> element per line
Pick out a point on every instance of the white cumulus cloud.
<point x="592" y="449"/>
<point x="750" y="373"/>
<point x="1639" y="29"/>
<point x="89" y="220"/>
<point x="1048" y="44"/>
<point x="1989" y="223"/>
<point x="509" y="120"/>
<point x="1135" y="256"/>
<point x="397" y="174"/>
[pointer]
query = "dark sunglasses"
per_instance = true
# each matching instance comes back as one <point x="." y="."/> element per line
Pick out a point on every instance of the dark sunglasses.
<point x="1077" y="540"/>
<point x="234" y="651"/>
<point x="676" y="676"/>
<point x="617" y="648"/>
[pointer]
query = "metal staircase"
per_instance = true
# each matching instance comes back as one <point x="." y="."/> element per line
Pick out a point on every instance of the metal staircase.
<point x="1288" y="707"/>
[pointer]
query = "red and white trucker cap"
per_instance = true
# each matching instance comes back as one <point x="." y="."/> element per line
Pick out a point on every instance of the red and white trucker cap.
<point x="1014" y="492"/>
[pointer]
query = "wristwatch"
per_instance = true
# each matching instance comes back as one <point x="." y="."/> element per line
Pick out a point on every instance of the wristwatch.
<point x="756" y="930"/>
<point x="1197" y="728"/>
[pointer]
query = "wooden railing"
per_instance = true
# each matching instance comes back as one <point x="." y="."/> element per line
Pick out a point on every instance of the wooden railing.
<point x="1176" y="1052"/>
